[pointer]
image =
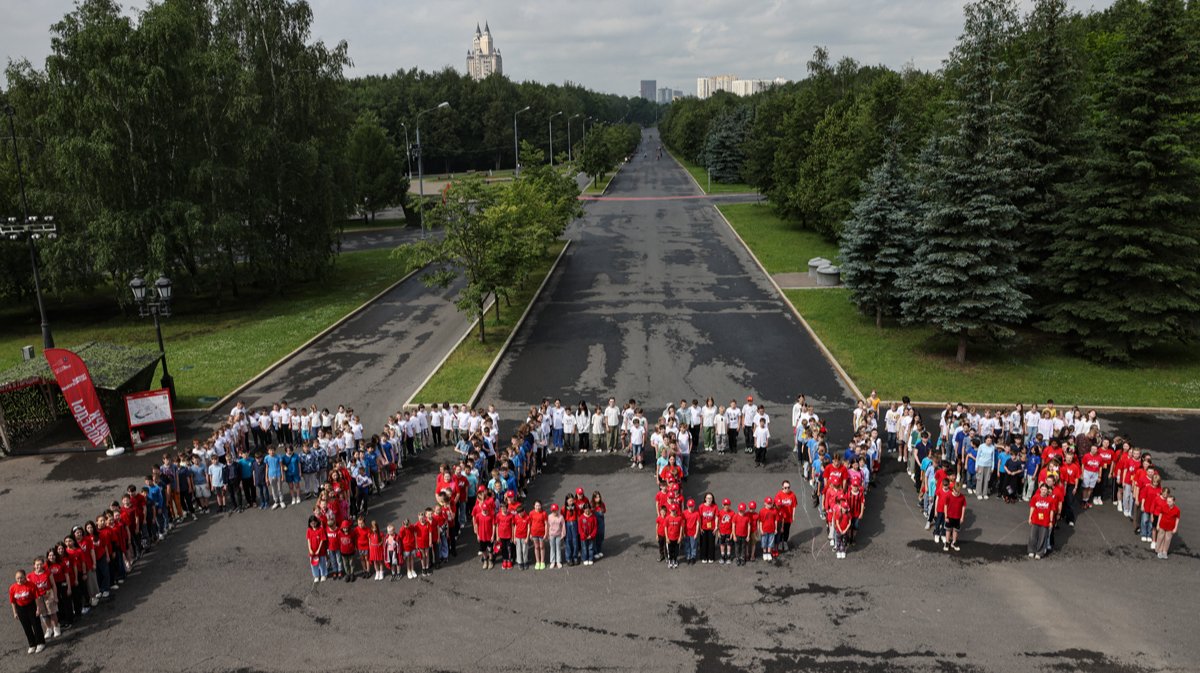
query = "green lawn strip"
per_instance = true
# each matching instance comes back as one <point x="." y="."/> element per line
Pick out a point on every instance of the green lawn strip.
<point x="918" y="362"/>
<point x="212" y="349"/>
<point x="701" y="177"/>
<point x="461" y="373"/>
<point x="780" y="246"/>
<point x="600" y="185"/>
<point x="356" y="224"/>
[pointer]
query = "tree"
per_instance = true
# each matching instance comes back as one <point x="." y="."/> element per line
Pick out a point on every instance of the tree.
<point x="377" y="174"/>
<point x="878" y="239"/>
<point x="964" y="280"/>
<point x="724" y="156"/>
<point x="1125" y="263"/>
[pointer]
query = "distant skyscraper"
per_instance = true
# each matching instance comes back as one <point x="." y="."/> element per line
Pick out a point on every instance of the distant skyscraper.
<point x="484" y="58"/>
<point x="649" y="88"/>
<point x="707" y="86"/>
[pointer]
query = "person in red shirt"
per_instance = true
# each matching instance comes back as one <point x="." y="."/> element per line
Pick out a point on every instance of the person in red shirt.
<point x="504" y="537"/>
<point x="346" y="548"/>
<point x="1042" y="512"/>
<point x="691" y="532"/>
<point x="425" y="538"/>
<point x="673" y="525"/>
<point x="741" y="533"/>
<point x="671" y="473"/>
<point x="660" y="533"/>
<point x="63" y="578"/>
<point x="537" y="535"/>
<point x="857" y="499"/>
<point x="662" y="498"/>
<point x="317" y="541"/>
<point x="752" y="540"/>
<point x="375" y="550"/>
<point x="588" y="529"/>
<point x="22" y="595"/>
<point x="708" y="529"/>
<point x="362" y="545"/>
<point x="1168" y="523"/>
<point x="408" y="548"/>
<point x="841" y="527"/>
<point x="484" y="523"/>
<point x="521" y="537"/>
<point x="46" y="597"/>
<point x="725" y="518"/>
<point x="955" y="508"/>
<point x="768" y="524"/>
<point x="1093" y="464"/>
<point x="786" y="502"/>
<point x="939" y="505"/>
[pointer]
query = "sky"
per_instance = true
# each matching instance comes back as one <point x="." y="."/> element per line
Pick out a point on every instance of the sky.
<point x="607" y="45"/>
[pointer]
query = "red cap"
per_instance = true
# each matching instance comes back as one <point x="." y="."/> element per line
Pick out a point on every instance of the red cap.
<point x="510" y="494"/>
<point x="481" y="489"/>
<point x="753" y="505"/>
<point x="346" y="523"/>
<point x="554" y="507"/>
<point x="749" y="398"/>
<point x="691" y="503"/>
<point x="674" y="509"/>
<point x="741" y="507"/>
<point x="579" y="491"/>
<point x="725" y="501"/>
<point x="768" y="501"/>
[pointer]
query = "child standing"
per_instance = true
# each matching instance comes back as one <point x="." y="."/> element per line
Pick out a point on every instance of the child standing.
<point x="537" y="535"/>
<point x="317" y="541"/>
<point x="1168" y="523"/>
<point x="599" y="510"/>
<point x="408" y="548"/>
<point x="673" y="527"/>
<point x="956" y="508"/>
<point x="346" y="548"/>
<point x="587" y="533"/>
<point x="556" y="530"/>
<point x="375" y="550"/>
<point x="520" y="527"/>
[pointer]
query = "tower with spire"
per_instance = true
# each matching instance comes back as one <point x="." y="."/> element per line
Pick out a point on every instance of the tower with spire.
<point x="483" y="59"/>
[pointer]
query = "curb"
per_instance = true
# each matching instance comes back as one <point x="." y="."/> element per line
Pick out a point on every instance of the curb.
<point x="487" y="376"/>
<point x="411" y="401"/>
<point x="820" y="344"/>
<point x="1114" y="410"/>
<point x="275" y="365"/>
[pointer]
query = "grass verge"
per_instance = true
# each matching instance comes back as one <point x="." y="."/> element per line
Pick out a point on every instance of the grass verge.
<point x="701" y="177"/>
<point x="782" y="247"/>
<point x="461" y="373"/>
<point x="214" y="348"/>
<point x="600" y="185"/>
<point x="919" y="362"/>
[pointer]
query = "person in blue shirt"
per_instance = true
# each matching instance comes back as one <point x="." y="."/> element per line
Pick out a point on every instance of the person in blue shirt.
<point x="291" y="474"/>
<point x="260" y="480"/>
<point x="308" y="471"/>
<point x="245" y="468"/>
<point x="985" y="463"/>
<point x="154" y="496"/>
<point x="275" y="477"/>
<point x="971" y="463"/>
<point x="1033" y="463"/>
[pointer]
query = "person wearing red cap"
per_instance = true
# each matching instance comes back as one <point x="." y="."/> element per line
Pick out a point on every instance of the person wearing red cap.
<point x="660" y="533"/>
<point x="741" y="533"/>
<point x="785" y="502"/>
<point x="346" y="547"/>
<point x="752" y="539"/>
<point x="725" y="519"/>
<point x="691" y="532"/>
<point x="708" y="529"/>
<point x="571" y="551"/>
<point x="767" y="524"/>
<point x="537" y="535"/>
<point x="504" y="536"/>
<point x="484" y="523"/>
<point x="588" y="529"/>
<point x="674" y="530"/>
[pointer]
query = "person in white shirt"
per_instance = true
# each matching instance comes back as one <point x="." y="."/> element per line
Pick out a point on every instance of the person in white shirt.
<point x="557" y="427"/>
<point x="762" y="437"/>
<point x="684" y="443"/>
<point x="435" y="424"/>
<point x="708" y="421"/>
<point x="733" y="424"/>
<point x="721" y="430"/>
<point x="890" y="419"/>
<point x="694" y="417"/>
<point x="797" y="410"/>
<point x="637" y="438"/>
<point x="748" y="411"/>
<point x="612" y="422"/>
<point x="583" y="422"/>
<point x="568" y="429"/>
<point x="598" y="425"/>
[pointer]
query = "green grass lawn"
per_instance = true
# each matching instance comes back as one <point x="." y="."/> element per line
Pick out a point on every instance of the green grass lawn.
<point x="212" y="349"/>
<point x="600" y="185"/>
<point x="701" y="177"/>
<point x="464" y="369"/>
<point x="781" y="246"/>
<point x="356" y="224"/>
<point x="918" y="362"/>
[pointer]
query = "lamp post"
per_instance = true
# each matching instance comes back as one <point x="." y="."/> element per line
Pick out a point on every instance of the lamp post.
<point x="517" y="144"/>
<point x="156" y="304"/>
<point x="407" y="153"/>
<point x="552" y="137"/>
<point x="30" y="228"/>
<point x="570" y="155"/>
<point x="421" y="163"/>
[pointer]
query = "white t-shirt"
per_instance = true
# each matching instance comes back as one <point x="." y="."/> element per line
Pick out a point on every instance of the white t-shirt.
<point x="762" y="437"/>
<point x="708" y="416"/>
<point x="612" y="416"/>
<point x="732" y="416"/>
<point x="797" y="412"/>
<point x="748" y="411"/>
<point x="568" y="422"/>
<point x="637" y="435"/>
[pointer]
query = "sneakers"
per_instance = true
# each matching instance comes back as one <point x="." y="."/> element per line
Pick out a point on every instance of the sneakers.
<point x="945" y="547"/>
<point x="39" y="648"/>
<point x="955" y="547"/>
<point x="275" y="506"/>
<point x="282" y="506"/>
<point x="599" y="555"/>
<point x="1030" y="554"/>
<point x="937" y="539"/>
<point x="31" y="650"/>
<point x="57" y="632"/>
<point x="928" y="525"/>
<point x="316" y="579"/>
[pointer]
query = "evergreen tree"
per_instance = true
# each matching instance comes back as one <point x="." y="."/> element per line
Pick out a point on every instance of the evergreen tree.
<point x="1048" y="113"/>
<point x="878" y="239"/>
<point x="965" y="280"/>
<point x="377" y="176"/>
<point x="1126" y="265"/>
<point x="723" y="152"/>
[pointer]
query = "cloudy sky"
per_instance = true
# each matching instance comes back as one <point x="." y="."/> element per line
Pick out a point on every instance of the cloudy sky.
<point x="607" y="45"/>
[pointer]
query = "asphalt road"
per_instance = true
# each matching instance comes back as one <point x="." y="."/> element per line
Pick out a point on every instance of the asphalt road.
<point x="656" y="301"/>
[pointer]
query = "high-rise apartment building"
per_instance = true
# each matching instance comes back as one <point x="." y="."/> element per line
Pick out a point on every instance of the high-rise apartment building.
<point x="484" y="58"/>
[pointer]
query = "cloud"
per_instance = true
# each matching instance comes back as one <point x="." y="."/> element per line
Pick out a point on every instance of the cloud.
<point x="609" y="45"/>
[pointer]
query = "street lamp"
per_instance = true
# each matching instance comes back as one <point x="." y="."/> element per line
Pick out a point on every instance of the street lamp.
<point x="156" y="304"/>
<point x="552" y="137"/>
<point x="421" y="163"/>
<point x="570" y="156"/>
<point x="30" y="228"/>
<point x="517" y="144"/>
<point x="407" y="153"/>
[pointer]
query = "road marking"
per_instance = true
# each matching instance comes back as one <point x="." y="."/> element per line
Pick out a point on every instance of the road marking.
<point x="693" y="197"/>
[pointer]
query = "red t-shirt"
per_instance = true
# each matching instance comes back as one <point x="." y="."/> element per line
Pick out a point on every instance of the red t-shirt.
<point x="424" y="534"/>
<point x="691" y="523"/>
<point x="520" y="526"/>
<point x="58" y="572"/>
<point x="834" y="475"/>
<point x="570" y="514"/>
<point x="841" y="518"/>
<point x="78" y="559"/>
<point x="485" y="525"/>
<point x="661" y="499"/>
<point x="785" y="503"/>
<point x="955" y="505"/>
<point x="316" y="540"/>
<point x="767" y="520"/>
<point x="942" y="494"/>
<point x="504" y="525"/>
<point x="346" y="542"/>
<point x="408" y="538"/>
<point x="671" y="473"/>
<point x="1043" y="509"/>
<point x="674" y="526"/>
<point x="41" y="581"/>
<point x="362" y="537"/>
<point x="708" y="517"/>
<point x="725" y="522"/>
<point x="1168" y="517"/>
<point x="1147" y="496"/>
<point x="741" y="525"/>
<point x="1093" y="462"/>
<point x="857" y="504"/>
<point x="1070" y="473"/>
<point x="22" y="593"/>
<point x="660" y="526"/>
<point x="588" y="527"/>
<point x="537" y="523"/>
<point x="331" y="538"/>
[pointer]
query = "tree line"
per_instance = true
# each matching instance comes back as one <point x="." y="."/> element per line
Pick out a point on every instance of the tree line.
<point x="218" y="142"/>
<point x="1047" y="178"/>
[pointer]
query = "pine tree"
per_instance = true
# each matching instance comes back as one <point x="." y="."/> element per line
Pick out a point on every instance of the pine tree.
<point x="723" y="152"/>
<point x="965" y="281"/>
<point x="1048" y="114"/>
<point x="878" y="240"/>
<point x="1126" y="264"/>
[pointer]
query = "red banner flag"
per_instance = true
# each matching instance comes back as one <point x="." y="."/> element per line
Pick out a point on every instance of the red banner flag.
<point x="76" y="384"/>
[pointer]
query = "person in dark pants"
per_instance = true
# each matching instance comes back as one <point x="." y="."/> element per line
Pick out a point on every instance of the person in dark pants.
<point x="22" y="596"/>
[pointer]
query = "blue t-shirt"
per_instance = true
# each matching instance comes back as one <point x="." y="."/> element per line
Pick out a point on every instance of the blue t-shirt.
<point x="274" y="466"/>
<point x="246" y="467"/>
<point x="155" y="495"/>
<point x="1032" y="464"/>
<point x="986" y="455"/>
